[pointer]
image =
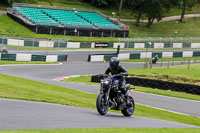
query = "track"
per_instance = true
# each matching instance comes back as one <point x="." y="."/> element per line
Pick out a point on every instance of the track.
<point x="35" y="115"/>
<point x="21" y="114"/>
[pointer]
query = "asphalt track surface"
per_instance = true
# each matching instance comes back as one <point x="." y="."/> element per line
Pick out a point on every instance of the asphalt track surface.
<point x="30" y="115"/>
<point x="82" y="55"/>
<point x="35" y="115"/>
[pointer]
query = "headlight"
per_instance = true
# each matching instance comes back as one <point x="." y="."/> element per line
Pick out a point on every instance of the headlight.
<point x="106" y="83"/>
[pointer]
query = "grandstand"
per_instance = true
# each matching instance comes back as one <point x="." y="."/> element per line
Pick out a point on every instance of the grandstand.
<point x="51" y="20"/>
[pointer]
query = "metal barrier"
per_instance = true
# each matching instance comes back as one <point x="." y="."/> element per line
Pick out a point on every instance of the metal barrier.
<point x="159" y="84"/>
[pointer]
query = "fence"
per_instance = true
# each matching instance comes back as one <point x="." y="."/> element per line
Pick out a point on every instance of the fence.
<point x="64" y="43"/>
<point x="160" y="39"/>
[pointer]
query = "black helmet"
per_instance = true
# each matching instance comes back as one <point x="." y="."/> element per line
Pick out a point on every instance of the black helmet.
<point x="114" y="63"/>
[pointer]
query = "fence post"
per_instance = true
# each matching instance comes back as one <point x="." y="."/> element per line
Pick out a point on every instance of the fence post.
<point x="118" y="49"/>
<point x="114" y="34"/>
<point x="168" y="65"/>
<point x="91" y="34"/>
<point x="50" y="31"/>
<point x="33" y="43"/>
<point x="78" y="33"/>
<point x="64" y="32"/>
<point x="189" y="64"/>
<point x="2" y="42"/>
<point x="36" y="30"/>
<point x="18" y="40"/>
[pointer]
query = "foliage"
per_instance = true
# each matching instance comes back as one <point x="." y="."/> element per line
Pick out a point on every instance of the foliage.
<point x="9" y="2"/>
<point x="151" y="9"/>
<point x="185" y="5"/>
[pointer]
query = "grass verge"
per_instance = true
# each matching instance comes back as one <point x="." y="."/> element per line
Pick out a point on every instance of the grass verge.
<point x="178" y="73"/>
<point x="18" y="88"/>
<point x="164" y="29"/>
<point x="109" y="130"/>
<point x="10" y="27"/>
<point x="24" y="62"/>
<point x="87" y="80"/>
<point x="190" y="28"/>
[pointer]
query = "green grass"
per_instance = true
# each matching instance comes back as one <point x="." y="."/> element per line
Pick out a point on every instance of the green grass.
<point x="24" y="62"/>
<point x="178" y="73"/>
<point x="175" y="11"/>
<point x="109" y="130"/>
<point x="87" y="80"/>
<point x="10" y="27"/>
<point x="167" y="93"/>
<point x="164" y="59"/>
<point x="18" y="88"/>
<point x="81" y="79"/>
<point x="191" y="28"/>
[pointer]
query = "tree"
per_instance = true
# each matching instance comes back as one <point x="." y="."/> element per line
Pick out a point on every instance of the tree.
<point x="137" y="9"/>
<point x="185" y="5"/>
<point x="99" y="3"/>
<point x="152" y="9"/>
<point x="9" y="2"/>
<point x="5" y="1"/>
<point x="120" y="7"/>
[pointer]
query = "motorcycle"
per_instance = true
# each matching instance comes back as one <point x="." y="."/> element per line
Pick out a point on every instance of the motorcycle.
<point x="154" y="60"/>
<point x="111" y="96"/>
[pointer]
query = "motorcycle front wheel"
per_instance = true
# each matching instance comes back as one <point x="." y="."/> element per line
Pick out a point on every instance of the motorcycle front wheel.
<point x="128" y="111"/>
<point x="101" y="105"/>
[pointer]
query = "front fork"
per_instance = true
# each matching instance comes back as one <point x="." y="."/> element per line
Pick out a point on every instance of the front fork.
<point x="105" y="94"/>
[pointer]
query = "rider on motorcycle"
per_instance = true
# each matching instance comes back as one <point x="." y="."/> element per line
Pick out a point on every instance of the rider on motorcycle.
<point x="118" y="71"/>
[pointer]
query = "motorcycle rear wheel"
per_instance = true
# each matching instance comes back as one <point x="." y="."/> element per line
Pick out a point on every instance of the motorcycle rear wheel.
<point x="101" y="106"/>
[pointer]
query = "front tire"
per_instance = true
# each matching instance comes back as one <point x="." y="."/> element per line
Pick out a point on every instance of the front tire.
<point x="101" y="106"/>
<point x="128" y="111"/>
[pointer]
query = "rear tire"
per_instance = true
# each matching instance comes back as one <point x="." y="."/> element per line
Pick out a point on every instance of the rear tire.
<point x="128" y="111"/>
<point x="101" y="106"/>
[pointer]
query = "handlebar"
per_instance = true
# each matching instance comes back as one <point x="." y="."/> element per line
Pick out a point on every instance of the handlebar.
<point x="116" y="75"/>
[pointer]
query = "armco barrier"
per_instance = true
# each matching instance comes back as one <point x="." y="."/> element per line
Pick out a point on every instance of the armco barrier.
<point x="3" y="41"/>
<point x="159" y="84"/>
<point x="142" y="55"/>
<point x="8" y="57"/>
<point x="100" y="57"/>
<point x="30" y="57"/>
<point x="65" y="44"/>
